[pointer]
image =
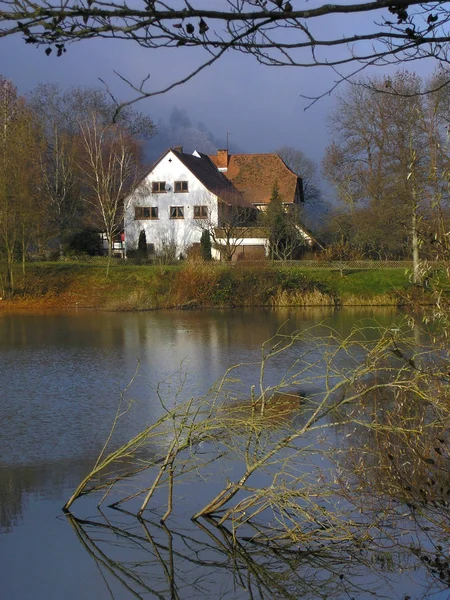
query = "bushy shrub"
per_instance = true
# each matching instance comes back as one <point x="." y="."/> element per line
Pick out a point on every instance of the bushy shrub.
<point x="210" y="284"/>
<point x="167" y="252"/>
<point x="87" y="241"/>
<point x="225" y="291"/>
<point x="194" y="252"/>
<point x="254" y="284"/>
<point x="197" y="282"/>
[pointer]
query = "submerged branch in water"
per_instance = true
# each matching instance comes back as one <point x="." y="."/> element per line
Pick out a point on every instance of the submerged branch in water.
<point x="285" y="481"/>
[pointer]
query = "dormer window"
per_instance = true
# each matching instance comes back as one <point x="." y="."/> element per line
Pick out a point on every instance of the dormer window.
<point x="181" y="186"/>
<point x="158" y="187"/>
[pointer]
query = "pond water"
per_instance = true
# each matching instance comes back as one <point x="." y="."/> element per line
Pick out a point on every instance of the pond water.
<point x="62" y="379"/>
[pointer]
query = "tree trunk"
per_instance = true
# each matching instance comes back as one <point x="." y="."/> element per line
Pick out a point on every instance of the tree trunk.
<point x="10" y="271"/>
<point x="415" y="247"/>
<point x="415" y="232"/>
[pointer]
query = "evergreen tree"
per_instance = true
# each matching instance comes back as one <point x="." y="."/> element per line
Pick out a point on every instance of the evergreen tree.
<point x="205" y="243"/>
<point x="275" y="222"/>
<point x="142" y="245"/>
<point x="283" y="233"/>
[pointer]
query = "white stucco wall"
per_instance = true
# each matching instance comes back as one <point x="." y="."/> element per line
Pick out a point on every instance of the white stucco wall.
<point x="184" y="231"/>
<point x="240" y="242"/>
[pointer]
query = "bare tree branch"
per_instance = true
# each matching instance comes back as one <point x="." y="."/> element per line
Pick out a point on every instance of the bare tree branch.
<point x="273" y="31"/>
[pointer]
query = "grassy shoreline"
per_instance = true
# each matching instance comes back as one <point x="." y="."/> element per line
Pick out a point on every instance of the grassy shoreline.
<point x="67" y="285"/>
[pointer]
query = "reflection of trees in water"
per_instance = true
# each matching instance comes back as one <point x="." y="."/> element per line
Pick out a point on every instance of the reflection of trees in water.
<point x="395" y="461"/>
<point x="18" y="484"/>
<point x="350" y="534"/>
<point x="208" y="561"/>
<point x="381" y="545"/>
<point x="12" y="491"/>
<point x="287" y="505"/>
<point x="30" y="330"/>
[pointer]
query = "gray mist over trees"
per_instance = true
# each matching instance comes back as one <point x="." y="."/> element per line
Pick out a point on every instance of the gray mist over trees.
<point x="179" y="130"/>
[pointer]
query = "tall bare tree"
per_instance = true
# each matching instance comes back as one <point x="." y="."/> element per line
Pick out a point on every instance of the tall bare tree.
<point x="21" y="198"/>
<point x="313" y="210"/>
<point x="387" y="151"/>
<point x="305" y="168"/>
<point x="111" y="168"/>
<point x="82" y="162"/>
<point x="60" y="171"/>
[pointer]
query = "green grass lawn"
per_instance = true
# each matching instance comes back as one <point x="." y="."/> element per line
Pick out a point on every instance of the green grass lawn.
<point x="363" y="283"/>
<point x="130" y="286"/>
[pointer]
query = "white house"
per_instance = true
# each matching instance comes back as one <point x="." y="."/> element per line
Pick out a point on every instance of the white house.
<point x="183" y="194"/>
<point x="174" y="197"/>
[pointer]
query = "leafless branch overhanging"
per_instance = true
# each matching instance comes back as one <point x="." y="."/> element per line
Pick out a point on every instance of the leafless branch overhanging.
<point x="273" y="31"/>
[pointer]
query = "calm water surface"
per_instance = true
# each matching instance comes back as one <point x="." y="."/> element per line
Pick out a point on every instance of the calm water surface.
<point x="62" y="376"/>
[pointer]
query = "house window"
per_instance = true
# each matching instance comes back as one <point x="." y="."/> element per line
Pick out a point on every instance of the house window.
<point x="200" y="212"/>
<point x="177" y="212"/>
<point x="145" y="212"/>
<point x="181" y="186"/>
<point x="158" y="187"/>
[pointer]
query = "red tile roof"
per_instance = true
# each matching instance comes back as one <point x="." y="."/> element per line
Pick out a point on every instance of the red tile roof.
<point x="255" y="175"/>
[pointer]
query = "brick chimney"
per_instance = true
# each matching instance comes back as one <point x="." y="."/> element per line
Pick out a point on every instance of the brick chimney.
<point x="178" y="149"/>
<point x="222" y="159"/>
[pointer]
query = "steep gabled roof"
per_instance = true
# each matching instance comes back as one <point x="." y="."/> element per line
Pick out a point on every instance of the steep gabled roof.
<point x="206" y="172"/>
<point x="255" y="175"/>
<point x="202" y="167"/>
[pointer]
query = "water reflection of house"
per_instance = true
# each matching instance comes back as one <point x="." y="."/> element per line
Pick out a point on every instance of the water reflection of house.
<point x="183" y="194"/>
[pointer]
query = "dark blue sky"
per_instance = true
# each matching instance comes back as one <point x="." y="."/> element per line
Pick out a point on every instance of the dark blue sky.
<point x="261" y="107"/>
